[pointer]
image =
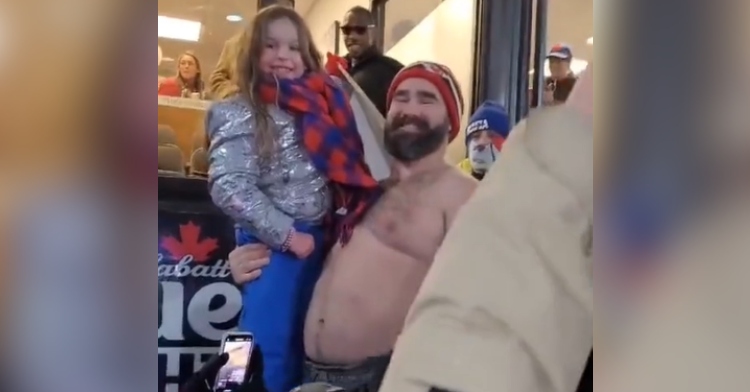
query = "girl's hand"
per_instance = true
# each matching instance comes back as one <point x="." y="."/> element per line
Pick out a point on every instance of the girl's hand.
<point x="302" y="245"/>
<point x="246" y="262"/>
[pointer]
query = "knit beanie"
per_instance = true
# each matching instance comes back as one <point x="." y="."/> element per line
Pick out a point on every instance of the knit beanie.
<point x="442" y="78"/>
<point x="492" y="117"/>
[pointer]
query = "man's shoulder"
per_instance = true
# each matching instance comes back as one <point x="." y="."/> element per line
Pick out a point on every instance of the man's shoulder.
<point x="568" y="82"/>
<point x="455" y="176"/>
<point x="390" y="62"/>
<point x="384" y="64"/>
<point x="455" y="187"/>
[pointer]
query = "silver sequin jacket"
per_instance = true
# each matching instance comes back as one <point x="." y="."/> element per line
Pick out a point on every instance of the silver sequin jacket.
<point x="267" y="197"/>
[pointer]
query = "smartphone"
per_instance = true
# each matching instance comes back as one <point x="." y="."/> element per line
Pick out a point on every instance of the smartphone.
<point x="239" y="346"/>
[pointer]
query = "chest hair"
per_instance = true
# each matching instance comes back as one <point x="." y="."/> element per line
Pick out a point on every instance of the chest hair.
<point x="408" y="218"/>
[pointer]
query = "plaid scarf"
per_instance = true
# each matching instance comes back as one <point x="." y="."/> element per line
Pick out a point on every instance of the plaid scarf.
<point x="328" y="130"/>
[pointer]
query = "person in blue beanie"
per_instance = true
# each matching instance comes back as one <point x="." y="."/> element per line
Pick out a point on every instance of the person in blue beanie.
<point x="488" y="128"/>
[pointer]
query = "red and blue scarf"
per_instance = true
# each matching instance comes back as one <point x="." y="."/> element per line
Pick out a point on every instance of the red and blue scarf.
<point x="328" y="131"/>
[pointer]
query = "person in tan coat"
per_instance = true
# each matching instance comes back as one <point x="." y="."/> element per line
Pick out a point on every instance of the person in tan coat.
<point x="508" y="303"/>
<point x="222" y="83"/>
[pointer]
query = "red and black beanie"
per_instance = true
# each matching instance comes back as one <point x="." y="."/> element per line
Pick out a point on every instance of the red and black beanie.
<point x="442" y="78"/>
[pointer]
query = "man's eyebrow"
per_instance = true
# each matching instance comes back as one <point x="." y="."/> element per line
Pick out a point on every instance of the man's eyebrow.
<point x="421" y="94"/>
<point x="426" y="95"/>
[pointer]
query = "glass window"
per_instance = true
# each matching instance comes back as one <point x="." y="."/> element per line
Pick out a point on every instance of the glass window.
<point x="571" y="23"/>
<point x="569" y="47"/>
<point x="401" y="16"/>
<point x="199" y="27"/>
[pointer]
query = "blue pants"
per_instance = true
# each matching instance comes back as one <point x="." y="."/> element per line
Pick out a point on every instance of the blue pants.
<point x="275" y="306"/>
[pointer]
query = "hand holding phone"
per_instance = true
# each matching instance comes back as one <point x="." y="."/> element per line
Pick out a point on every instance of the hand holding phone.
<point x="203" y="380"/>
<point x="217" y="374"/>
<point x="238" y="347"/>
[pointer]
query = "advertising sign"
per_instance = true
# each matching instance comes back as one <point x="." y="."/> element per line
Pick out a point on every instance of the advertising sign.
<point x="198" y="302"/>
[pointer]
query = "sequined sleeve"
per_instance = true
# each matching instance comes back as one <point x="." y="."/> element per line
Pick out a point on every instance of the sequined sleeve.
<point x="234" y="173"/>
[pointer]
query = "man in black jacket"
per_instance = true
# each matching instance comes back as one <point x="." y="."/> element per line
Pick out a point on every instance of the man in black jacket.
<point x="372" y="70"/>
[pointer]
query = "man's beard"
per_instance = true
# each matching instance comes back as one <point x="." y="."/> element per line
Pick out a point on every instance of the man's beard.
<point x="408" y="145"/>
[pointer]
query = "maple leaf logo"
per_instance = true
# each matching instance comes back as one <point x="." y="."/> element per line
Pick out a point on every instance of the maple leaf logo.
<point x="190" y="244"/>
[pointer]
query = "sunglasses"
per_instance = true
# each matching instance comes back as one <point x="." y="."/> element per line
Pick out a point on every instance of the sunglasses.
<point x="359" y="30"/>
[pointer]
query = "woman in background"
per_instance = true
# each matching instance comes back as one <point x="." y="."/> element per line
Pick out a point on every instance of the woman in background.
<point x="188" y="82"/>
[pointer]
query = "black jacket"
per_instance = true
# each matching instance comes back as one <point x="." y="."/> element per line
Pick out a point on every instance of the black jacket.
<point x="562" y="87"/>
<point x="587" y="380"/>
<point x="374" y="73"/>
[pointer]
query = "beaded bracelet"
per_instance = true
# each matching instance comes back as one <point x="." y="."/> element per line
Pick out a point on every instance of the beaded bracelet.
<point x="288" y="242"/>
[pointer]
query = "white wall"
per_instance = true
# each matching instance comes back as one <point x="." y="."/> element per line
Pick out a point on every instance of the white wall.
<point x="401" y="16"/>
<point x="445" y="36"/>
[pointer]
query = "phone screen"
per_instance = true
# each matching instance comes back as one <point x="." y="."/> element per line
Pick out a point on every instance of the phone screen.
<point x="239" y="346"/>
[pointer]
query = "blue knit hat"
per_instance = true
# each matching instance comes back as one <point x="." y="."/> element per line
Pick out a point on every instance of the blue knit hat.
<point x="490" y="116"/>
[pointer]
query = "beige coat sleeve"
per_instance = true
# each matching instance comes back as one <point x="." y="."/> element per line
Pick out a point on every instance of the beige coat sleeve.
<point x="693" y="321"/>
<point x="507" y="305"/>
<point x="222" y="83"/>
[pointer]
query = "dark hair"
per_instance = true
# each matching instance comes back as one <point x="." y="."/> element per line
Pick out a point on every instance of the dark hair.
<point x="363" y="13"/>
<point x="248" y="67"/>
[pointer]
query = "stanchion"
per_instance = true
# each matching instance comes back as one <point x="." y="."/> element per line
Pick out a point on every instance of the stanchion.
<point x="198" y="302"/>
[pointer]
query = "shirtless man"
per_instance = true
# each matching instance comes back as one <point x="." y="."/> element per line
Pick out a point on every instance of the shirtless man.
<point x="362" y="298"/>
<point x="519" y="317"/>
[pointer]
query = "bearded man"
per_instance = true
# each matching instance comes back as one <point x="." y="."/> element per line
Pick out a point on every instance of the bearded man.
<point x="367" y="287"/>
<point x="519" y="316"/>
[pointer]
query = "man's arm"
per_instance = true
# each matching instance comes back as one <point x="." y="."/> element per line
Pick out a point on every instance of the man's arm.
<point x="508" y="303"/>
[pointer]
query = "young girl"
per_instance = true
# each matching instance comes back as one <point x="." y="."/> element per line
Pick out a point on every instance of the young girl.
<point x="287" y="164"/>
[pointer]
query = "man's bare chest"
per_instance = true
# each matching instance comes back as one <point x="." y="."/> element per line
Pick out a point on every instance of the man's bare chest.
<point x="409" y="221"/>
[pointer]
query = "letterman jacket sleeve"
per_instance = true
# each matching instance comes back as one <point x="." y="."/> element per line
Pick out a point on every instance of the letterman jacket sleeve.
<point x="508" y="303"/>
